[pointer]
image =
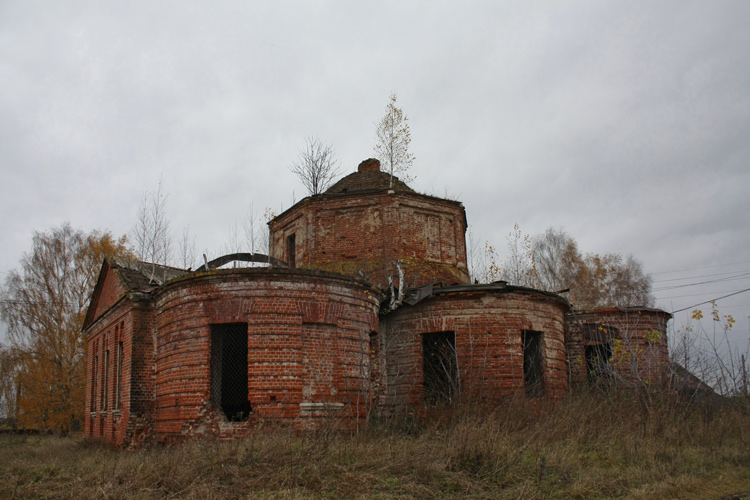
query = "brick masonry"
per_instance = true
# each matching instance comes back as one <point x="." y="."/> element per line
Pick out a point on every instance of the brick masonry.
<point x="124" y="418"/>
<point x="320" y="350"/>
<point x="488" y="323"/>
<point x="637" y="337"/>
<point x="308" y="339"/>
<point x="364" y="233"/>
<point x="308" y="345"/>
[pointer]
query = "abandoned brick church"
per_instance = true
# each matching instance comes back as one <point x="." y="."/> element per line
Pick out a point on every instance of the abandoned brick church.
<point x="364" y="307"/>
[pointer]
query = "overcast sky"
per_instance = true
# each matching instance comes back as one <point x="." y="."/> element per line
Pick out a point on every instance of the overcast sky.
<point x="625" y="123"/>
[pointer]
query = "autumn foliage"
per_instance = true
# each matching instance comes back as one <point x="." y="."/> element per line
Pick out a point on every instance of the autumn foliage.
<point x="393" y="139"/>
<point x="551" y="261"/>
<point x="44" y="305"/>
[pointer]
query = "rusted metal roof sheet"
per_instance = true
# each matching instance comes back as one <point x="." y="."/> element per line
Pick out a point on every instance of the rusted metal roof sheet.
<point x="138" y="276"/>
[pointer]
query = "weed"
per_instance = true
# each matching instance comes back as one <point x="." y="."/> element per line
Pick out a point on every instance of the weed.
<point x="584" y="447"/>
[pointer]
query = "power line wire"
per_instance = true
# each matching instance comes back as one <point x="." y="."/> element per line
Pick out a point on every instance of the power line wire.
<point x="695" y="294"/>
<point x="712" y="300"/>
<point x="701" y="276"/>
<point x="720" y="280"/>
<point x="705" y="267"/>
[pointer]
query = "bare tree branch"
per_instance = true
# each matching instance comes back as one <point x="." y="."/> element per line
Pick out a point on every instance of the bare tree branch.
<point x="316" y="166"/>
<point x="152" y="235"/>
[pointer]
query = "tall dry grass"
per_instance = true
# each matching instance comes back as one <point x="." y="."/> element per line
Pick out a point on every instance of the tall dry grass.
<point x="586" y="447"/>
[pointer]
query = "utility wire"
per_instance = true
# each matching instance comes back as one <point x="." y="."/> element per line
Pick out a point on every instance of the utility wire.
<point x="695" y="294"/>
<point x="705" y="267"/>
<point x="712" y="300"/>
<point x="720" y="280"/>
<point x="695" y="277"/>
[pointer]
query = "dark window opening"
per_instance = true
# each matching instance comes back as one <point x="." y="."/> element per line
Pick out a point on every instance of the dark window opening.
<point x="599" y="334"/>
<point x="106" y="380"/>
<point x="229" y="389"/>
<point x="533" y="364"/>
<point x="597" y="361"/>
<point x="118" y="382"/>
<point x="374" y="347"/>
<point x="103" y="374"/>
<point x="93" y="383"/>
<point x="291" y="251"/>
<point x="440" y="368"/>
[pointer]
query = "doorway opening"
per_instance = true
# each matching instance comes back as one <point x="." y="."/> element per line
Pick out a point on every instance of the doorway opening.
<point x="291" y="251"/>
<point x="533" y="364"/>
<point x="440" y="368"/>
<point x="597" y="361"/>
<point x="229" y="390"/>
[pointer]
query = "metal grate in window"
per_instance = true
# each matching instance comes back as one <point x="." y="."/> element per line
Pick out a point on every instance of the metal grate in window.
<point x="229" y="389"/>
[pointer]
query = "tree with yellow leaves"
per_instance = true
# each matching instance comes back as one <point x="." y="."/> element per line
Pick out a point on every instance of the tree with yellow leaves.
<point x="393" y="139"/>
<point x="8" y="376"/>
<point x="44" y="306"/>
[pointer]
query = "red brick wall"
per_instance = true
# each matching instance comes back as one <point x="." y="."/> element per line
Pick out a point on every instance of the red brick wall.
<point x="308" y="335"/>
<point x="365" y="234"/>
<point x="130" y="323"/>
<point x="488" y="329"/>
<point x="142" y="371"/>
<point x="109" y="293"/>
<point x="640" y="351"/>
<point x="105" y="421"/>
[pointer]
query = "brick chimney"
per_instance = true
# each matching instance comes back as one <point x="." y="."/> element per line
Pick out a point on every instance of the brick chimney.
<point x="369" y="165"/>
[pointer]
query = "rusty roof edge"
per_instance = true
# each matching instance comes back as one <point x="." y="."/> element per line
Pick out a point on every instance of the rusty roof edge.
<point x="266" y="271"/>
<point x="499" y="286"/>
<point x="319" y="197"/>
<point x="604" y="310"/>
<point x="152" y="292"/>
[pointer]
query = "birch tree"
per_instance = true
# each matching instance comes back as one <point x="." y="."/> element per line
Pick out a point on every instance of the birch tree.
<point x="9" y="369"/>
<point x="552" y="262"/>
<point x="44" y="305"/>
<point x="187" y="252"/>
<point x="609" y="281"/>
<point x="556" y="258"/>
<point x="152" y="233"/>
<point x="594" y="280"/>
<point x="393" y="139"/>
<point x="518" y="268"/>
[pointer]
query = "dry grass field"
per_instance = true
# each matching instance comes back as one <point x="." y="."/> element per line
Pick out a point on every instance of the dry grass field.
<point x="586" y="447"/>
